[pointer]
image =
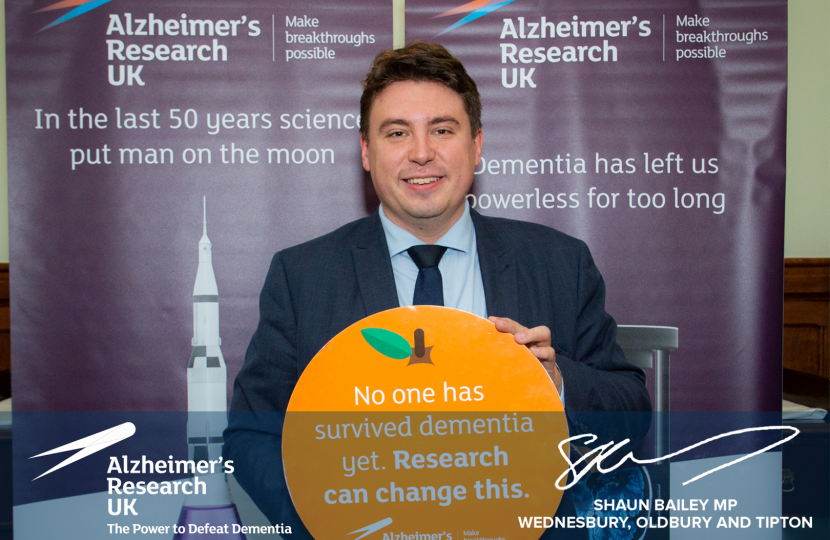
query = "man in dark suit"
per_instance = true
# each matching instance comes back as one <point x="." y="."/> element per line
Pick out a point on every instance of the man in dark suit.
<point x="421" y="140"/>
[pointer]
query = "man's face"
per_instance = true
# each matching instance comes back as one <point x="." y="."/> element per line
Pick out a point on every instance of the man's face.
<point x="421" y="155"/>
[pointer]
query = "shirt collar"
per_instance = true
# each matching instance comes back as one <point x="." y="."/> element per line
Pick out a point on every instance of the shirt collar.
<point x="460" y="237"/>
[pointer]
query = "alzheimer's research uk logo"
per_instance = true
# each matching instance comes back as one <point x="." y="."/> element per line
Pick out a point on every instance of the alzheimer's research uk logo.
<point x="81" y="7"/>
<point x="89" y="445"/>
<point x="476" y="9"/>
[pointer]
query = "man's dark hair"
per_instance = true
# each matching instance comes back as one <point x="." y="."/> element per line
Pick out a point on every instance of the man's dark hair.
<point x="420" y="62"/>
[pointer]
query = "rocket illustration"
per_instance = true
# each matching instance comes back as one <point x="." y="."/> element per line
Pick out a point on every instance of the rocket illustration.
<point x="207" y="411"/>
<point x="206" y="372"/>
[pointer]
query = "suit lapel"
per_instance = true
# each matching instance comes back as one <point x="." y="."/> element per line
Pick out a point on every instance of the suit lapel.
<point x="373" y="268"/>
<point x="497" y="260"/>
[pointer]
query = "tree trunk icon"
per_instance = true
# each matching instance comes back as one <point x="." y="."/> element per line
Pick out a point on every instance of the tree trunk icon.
<point x="420" y="353"/>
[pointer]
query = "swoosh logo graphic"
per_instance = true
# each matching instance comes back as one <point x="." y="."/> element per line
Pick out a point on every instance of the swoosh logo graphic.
<point x="476" y="10"/>
<point x="89" y="445"/>
<point x="83" y="6"/>
<point x="374" y="527"/>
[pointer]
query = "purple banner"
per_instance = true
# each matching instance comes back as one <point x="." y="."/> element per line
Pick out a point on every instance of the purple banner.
<point x="122" y="118"/>
<point x="654" y="131"/>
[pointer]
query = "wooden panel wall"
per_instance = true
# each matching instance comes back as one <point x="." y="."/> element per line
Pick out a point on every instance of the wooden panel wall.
<point x="806" y="316"/>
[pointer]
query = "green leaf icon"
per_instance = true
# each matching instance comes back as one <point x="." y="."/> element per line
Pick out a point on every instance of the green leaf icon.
<point x="387" y="343"/>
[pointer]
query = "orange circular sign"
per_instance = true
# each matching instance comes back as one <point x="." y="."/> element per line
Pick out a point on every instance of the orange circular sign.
<point x="424" y="421"/>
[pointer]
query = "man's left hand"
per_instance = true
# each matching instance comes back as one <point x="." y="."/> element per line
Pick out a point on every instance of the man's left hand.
<point x="537" y="340"/>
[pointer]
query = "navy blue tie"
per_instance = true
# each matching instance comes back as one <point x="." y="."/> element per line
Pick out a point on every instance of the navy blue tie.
<point x="429" y="288"/>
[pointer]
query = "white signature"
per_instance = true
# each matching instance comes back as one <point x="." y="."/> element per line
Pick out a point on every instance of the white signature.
<point x="605" y="450"/>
